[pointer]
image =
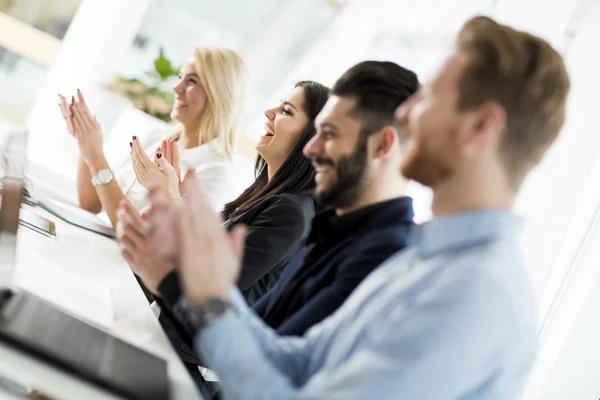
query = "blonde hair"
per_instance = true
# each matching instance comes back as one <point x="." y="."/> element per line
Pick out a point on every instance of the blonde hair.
<point x="527" y="77"/>
<point x="223" y="76"/>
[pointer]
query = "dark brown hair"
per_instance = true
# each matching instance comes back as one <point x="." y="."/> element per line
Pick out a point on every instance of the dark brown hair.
<point x="524" y="75"/>
<point x="296" y="175"/>
<point x="379" y="88"/>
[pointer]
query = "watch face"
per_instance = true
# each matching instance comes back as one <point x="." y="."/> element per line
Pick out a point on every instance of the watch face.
<point x="104" y="176"/>
<point x="216" y="306"/>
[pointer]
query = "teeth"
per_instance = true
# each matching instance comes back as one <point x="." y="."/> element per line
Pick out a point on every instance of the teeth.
<point x="270" y="132"/>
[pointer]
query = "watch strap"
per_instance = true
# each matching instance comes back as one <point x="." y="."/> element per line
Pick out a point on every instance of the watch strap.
<point x="212" y="309"/>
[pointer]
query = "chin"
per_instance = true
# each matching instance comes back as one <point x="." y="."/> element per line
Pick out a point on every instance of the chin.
<point x="261" y="150"/>
<point x="175" y="116"/>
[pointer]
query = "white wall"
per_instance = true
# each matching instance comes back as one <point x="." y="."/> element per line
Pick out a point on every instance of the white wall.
<point x="575" y="372"/>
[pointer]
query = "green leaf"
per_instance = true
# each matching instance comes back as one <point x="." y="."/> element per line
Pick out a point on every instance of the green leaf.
<point x="163" y="65"/>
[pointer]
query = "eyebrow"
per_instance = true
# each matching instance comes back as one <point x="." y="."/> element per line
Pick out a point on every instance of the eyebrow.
<point x="287" y="103"/>
<point x="328" y="125"/>
<point x="193" y="75"/>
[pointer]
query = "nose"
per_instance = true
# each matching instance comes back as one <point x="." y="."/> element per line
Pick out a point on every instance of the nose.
<point x="270" y="114"/>
<point x="314" y="147"/>
<point x="178" y="87"/>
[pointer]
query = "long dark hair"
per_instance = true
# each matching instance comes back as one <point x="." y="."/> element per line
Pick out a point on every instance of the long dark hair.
<point x="297" y="174"/>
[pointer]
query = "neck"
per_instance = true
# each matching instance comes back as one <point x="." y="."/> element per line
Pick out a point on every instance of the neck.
<point x="272" y="168"/>
<point x="472" y="193"/>
<point x="189" y="137"/>
<point x="383" y="190"/>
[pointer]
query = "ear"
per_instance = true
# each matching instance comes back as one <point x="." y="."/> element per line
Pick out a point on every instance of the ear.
<point x="386" y="139"/>
<point x="487" y="124"/>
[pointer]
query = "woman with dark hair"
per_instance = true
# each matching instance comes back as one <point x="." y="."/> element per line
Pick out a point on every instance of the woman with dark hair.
<point x="278" y="207"/>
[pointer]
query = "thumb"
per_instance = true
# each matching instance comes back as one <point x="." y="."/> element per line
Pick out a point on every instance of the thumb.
<point x="189" y="177"/>
<point x="190" y="174"/>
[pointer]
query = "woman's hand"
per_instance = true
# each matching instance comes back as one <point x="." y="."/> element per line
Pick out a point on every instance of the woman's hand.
<point x="84" y="128"/>
<point x="170" y="151"/>
<point x="65" y="110"/>
<point x="161" y="175"/>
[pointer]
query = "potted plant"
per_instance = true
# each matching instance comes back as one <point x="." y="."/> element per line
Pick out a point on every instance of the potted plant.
<point x="150" y="95"/>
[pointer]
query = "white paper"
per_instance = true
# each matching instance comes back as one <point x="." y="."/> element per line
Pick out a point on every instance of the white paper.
<point x="72" y="293"/>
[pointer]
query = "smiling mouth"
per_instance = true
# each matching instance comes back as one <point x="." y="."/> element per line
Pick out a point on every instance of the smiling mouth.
<point x="269" y="132"/>
<point x="179" y="104"/>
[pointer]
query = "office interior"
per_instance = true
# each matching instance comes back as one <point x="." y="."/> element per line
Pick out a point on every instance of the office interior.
<point x="58" y="46"/>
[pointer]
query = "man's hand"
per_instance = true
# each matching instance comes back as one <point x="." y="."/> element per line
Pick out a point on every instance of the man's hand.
<point x="210" y="257"/>
<point x="163" y="217"/>
<point x="132" y="234"/>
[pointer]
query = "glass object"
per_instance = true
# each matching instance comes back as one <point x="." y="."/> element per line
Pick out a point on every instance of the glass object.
<point x="13" y="158"/>
<point x="20" y="80"/>
<point x="50" y="16"/>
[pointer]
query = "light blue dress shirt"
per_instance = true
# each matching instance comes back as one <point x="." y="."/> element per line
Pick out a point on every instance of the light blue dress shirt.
<point x="449" y="318"/>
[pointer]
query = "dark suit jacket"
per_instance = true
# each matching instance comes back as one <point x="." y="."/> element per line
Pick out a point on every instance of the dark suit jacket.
<point x="340" y="253"/>
<point x="276" y="226"/>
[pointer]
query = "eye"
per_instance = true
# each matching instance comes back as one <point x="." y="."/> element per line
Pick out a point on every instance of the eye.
<point x="286" y="112"/>
<point x="193" y="81"/>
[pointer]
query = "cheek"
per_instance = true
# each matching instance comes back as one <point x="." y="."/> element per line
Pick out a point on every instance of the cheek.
<point x="287" y="134"/>
<point x="197" y="99"/>
<point x="435" y="151"/>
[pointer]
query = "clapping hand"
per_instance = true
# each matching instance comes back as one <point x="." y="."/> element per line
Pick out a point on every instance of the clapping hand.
<point x="83" y="127"/>
<point x="164" y="217"/>
<point x="210" y="257"/>
<point x="170" y="151"/>
<point x="132" y="234"/>
<point x="158" y="174"/>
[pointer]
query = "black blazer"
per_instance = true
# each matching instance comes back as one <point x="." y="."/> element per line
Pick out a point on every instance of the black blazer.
<point x="276" y="226"/>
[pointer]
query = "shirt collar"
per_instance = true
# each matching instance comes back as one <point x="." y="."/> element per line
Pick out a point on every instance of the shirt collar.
<point x="464" y="229"/>
<point x="328" y="226"/>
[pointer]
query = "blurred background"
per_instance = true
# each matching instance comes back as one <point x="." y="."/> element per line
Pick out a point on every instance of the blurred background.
<point x="107" y="48"/>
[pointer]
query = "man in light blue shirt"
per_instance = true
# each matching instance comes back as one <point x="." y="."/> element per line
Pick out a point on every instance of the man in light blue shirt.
<point x="451" y="317"/>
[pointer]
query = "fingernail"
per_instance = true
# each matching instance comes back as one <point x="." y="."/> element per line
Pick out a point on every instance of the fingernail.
<point x="130" y="144"/>
<point x="135" y="138"/>
<point x="78" y="91"/>
<point x="158" y="155"/>
<point x="72" y="100"/>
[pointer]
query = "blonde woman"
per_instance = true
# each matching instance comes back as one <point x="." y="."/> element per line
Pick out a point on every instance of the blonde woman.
<point x="208" y="105"/>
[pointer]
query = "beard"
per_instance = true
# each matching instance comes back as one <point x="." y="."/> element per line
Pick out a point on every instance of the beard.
<point x="431" y="163"/>
<point x="350" y="171"/>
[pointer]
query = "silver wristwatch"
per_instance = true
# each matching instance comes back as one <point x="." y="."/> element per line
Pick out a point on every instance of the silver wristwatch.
<point x="103" y="177"/>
